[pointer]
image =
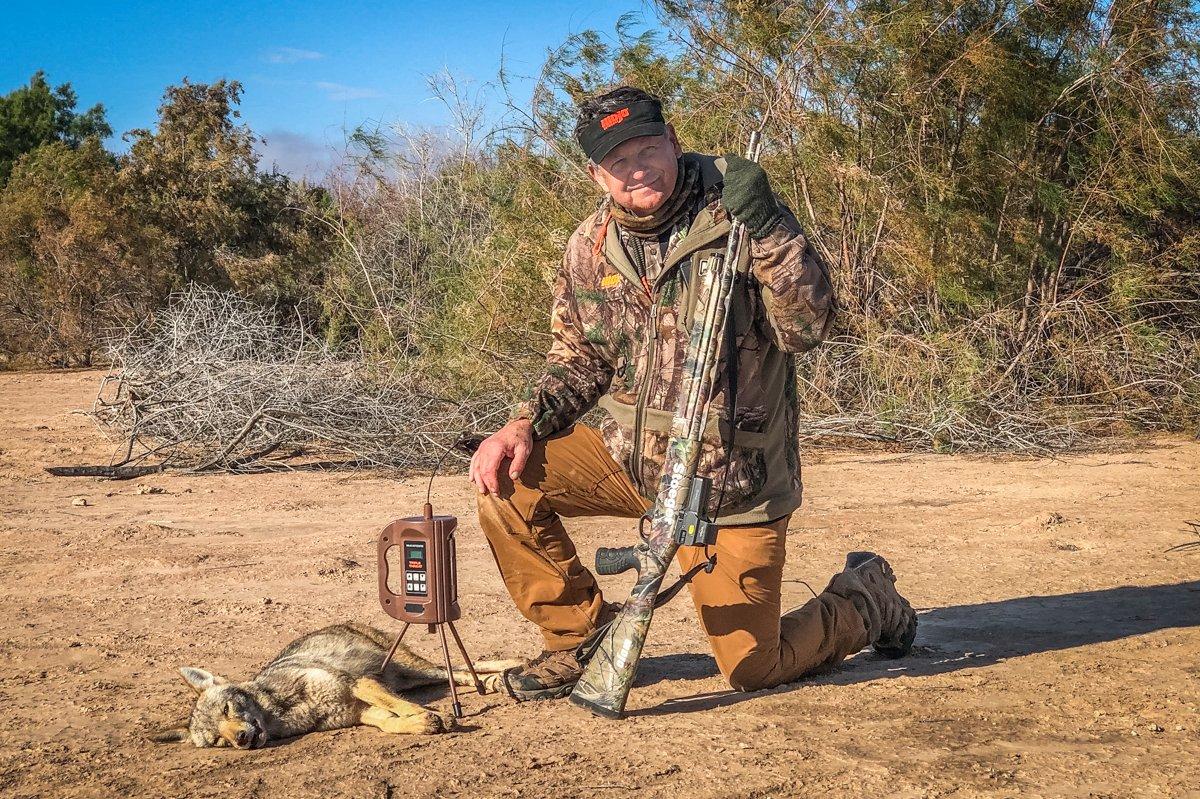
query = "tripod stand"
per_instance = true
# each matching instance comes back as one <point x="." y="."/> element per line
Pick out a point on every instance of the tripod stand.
<point x="441" y="629"/>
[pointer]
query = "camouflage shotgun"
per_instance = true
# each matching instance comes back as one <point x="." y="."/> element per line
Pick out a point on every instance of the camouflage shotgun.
<point x="616" y="649"/>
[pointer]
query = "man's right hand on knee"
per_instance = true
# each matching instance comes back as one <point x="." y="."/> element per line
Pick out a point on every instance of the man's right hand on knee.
<point x="511" y="443"/>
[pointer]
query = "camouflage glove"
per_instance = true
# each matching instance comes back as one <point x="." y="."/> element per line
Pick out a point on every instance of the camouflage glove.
<point x="747" y="196"/>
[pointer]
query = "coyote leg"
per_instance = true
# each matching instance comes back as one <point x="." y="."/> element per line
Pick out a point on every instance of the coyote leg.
<point x="373" y="692"/>
<point x="489" y="674"/>
<point x="424" y="723"/>
<point x="496" y="666"/>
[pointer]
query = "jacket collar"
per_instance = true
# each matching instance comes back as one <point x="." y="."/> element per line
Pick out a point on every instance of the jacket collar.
<point x="710" y="225"/>
<point x="706" y="229"/>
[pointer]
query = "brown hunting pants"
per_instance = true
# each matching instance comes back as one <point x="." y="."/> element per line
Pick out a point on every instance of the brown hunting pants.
<point x="572" y="474"/>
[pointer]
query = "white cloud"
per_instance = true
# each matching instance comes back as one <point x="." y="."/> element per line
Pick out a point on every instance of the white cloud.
<point x="297" y="155"/>
<point x="338" y="91"/>
<point x="291" y="55"/>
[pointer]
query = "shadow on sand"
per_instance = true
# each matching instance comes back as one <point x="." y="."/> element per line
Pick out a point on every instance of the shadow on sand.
<point x="969" y="636"/>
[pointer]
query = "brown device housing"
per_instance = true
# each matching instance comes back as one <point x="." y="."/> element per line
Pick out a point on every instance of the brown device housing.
<point x="429" y="584"/>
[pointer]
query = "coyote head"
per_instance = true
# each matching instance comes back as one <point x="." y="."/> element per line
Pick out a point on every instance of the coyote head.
<point x="224" y="715"/>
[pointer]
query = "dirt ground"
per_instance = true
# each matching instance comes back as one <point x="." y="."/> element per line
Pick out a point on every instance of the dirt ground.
<point x="1058" y="653"/>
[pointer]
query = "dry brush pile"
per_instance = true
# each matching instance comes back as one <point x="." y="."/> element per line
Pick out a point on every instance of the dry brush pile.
<point x="216" y="382"/>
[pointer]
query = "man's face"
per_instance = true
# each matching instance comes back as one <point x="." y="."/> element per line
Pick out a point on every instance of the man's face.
<point x="640" y="173"/>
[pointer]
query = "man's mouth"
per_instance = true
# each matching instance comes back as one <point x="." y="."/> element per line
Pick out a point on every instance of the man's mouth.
<point x="652" y="185"/>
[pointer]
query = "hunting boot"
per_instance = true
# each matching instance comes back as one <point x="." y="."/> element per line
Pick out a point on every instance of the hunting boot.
<point x="869" y="582"/>
<point x="552" y="675"/>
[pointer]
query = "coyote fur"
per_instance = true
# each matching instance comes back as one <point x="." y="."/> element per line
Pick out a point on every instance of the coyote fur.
<point x="325" y="680"/>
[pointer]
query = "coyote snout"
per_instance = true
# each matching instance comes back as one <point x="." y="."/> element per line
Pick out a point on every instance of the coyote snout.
<point x="323" y="681"/>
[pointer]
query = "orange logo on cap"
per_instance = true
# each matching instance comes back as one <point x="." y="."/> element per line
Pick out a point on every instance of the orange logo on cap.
<point x="615" y="118"/>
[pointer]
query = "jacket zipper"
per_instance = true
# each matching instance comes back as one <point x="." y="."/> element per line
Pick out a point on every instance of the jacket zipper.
<point x="639" y="412"/>
<point x="635" y="456"/>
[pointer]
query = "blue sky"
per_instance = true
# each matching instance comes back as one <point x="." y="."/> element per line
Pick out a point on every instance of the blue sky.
<point x="310" y="70"/>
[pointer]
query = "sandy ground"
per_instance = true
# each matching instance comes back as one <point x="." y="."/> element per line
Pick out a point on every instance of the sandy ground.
<point x="1058" y="654"/>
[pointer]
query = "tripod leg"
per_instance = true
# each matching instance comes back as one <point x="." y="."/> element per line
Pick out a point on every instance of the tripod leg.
<point x="458" y="714"/>
<point x="392" y="651"/>
<point x="466" y="657"/>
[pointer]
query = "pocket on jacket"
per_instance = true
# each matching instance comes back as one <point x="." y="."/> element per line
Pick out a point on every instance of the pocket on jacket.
<point x="746" y="467"/>
<point x="743" y="472"/>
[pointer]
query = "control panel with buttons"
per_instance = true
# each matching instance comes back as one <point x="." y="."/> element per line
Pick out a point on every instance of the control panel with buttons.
<point x="415" y="571"/>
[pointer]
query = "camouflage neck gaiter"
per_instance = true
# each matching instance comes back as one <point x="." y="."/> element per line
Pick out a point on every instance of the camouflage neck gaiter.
<point x="687" y="188"/>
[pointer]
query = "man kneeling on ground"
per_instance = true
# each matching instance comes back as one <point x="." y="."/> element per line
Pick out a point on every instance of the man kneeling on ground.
<point x="622" y="309"/>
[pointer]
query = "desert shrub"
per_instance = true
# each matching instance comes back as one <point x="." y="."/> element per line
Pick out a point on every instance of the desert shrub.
<point x="1006" y="196"/>
<point x="91" y="241"/>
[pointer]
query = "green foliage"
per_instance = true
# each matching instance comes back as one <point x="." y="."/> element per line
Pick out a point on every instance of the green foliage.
<point x="89" y="240"/>
<point x="64" y="273"/>
<point x="194" y="180"/>
<point x="34" y="115"/>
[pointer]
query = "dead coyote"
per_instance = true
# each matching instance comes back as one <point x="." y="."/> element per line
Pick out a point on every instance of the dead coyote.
<point x="326" y="680"/>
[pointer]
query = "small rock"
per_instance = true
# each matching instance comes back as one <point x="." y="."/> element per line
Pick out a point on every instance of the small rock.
<point x="267" y="600"/>
<point x="144" y="489"/>
<point x="79" y="502"/>
<point x="1154" y="727"/>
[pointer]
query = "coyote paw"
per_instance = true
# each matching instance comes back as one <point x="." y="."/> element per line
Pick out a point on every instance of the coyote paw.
<point x="440" y="723"/>
<point x="491" y="682"/>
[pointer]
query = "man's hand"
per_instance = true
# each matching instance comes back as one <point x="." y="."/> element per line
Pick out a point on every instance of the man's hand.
<point x="512" y="442"/>
<point x="747" y="196"/>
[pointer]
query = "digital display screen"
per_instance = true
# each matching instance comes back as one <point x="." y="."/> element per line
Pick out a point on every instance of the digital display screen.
<point x="414" y="554"/>
<point x="415" y="583"/>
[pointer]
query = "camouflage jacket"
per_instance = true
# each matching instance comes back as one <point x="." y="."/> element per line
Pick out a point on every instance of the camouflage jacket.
<point x="620" y="332"/>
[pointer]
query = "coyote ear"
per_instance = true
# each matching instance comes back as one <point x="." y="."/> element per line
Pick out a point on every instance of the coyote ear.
<point x="199" y="679"/>
<point x="170" y="735"/>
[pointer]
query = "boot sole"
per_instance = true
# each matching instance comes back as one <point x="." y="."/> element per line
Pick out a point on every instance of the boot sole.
<point x="856" y="559"/>
<point x="905" y="644"/>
